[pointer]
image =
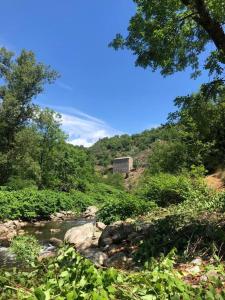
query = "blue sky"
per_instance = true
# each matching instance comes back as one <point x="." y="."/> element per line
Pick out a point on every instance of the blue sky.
<point x="100" y="92"/>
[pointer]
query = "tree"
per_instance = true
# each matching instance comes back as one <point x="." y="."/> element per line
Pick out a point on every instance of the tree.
<point x="48" y="124"/>
<point x="73" y="167"/>
<point x="23" y="79"/>
<point x="171" y="35"/>
<point x="203" y="115"/>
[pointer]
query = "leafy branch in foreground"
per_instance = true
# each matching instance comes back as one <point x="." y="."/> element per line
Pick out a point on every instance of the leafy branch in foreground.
<point x="171" y="35"/>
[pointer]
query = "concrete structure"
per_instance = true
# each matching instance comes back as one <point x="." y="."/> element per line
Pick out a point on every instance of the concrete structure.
<point x="122" y="165"/>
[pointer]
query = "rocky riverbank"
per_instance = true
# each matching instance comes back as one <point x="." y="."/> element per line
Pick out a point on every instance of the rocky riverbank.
<point x="113" y="245"/>
<point x="106" y="245"/>
<point x="10" y="229"/>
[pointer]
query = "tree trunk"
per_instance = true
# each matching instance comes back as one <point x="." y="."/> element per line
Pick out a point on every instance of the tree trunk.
<point x="205" y="20"/>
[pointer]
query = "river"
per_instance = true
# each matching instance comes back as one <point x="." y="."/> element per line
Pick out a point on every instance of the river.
<point x="43" y="231"/>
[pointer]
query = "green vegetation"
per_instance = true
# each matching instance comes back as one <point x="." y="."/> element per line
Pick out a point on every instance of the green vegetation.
<point x="40" y="173"/>
<point x="26" y="248"/>
<point x="167" y="189"/>
<point x="171" y="35"/>
<point x="122" y="207"/>
<point x="30" y="204"/>
<point x="106" y="149"/>
<point x="69" y="276"/>
<point x="48" y="161"/>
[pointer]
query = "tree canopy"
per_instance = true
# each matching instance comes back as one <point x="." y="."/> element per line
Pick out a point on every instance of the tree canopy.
<point x="33" y="148"/>
<point x="170" y="35"/>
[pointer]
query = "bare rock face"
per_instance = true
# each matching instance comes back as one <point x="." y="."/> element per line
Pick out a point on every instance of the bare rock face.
<point x="90" y="212"/>
<point x="81" y="236"/>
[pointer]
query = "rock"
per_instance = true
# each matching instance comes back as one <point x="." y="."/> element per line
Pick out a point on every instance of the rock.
<point x="63" y="215"/>
<point x="96" y="238"/>
<point x="197" y="261"/>
<point x="129" y="220"/>
<point x="80" y="236"/>
<point x="194" y="270"/>
<point x="116" y="233"/>
<point x="95" y="255"/>
<point x="118" y="260"/>
<point x="132" y="236"/>
<point x="21" y="232"/>
<point x="56" y="242"/>
<point x="101" y="226"/>
<point x="45" y="255"/>
<point x="39" y="224"/>
<point x="7" y="232"/>
<point x="90" y="212"/>
<point x="54" y="230"/>
<point x="203" y="278"/>
<point x="113" y="249"/>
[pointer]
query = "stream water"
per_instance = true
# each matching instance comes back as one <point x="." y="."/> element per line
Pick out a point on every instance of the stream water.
<point x="43" y="231"/>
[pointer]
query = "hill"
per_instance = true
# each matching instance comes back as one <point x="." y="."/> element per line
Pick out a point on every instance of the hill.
<point x="137" y="145"/>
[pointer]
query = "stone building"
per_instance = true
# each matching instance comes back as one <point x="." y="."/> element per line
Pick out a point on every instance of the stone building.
<point x="123" y="165"/>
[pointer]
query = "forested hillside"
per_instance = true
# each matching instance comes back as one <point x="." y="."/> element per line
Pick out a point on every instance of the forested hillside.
<point x="106" y="149"/>
<point x="192" y="135"/>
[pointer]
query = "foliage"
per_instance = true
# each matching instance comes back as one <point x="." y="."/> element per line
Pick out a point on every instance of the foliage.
<point x="23" y="78"/>
<point x="116" y="180"/>
<point x="106" y="149"/>
<point x="48" y="161"/>
<point x="31" y="204"/>
<point x="202" y="114"/>
<point x="122" y="207"/>
<point x="166" y="189"/>
<point x="192" y="234"/>
<point x="69" y="276"/>
<point x="172" y="35"/>
<point x="26" y="248"/>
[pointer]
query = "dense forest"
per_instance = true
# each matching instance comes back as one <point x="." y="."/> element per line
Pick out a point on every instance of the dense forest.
<point x="161" y="239"/>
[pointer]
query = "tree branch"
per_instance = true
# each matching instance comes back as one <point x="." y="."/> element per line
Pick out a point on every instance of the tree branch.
<point x="205" y="20"/>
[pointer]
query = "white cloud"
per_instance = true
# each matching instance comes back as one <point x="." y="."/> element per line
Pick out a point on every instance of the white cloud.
<point x="82" y="128"/>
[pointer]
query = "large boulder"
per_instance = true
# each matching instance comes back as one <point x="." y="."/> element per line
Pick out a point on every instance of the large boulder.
<point x="116" y="233"/>
<point x="81" y="236"/>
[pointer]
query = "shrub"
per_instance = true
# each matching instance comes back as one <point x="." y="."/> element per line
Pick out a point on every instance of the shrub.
<point x="30" y="204"/>
<point x="26" y="248"/>
<point x="123" y="207"/>
<point x="166" y="189"/>
<point x="116" y="180"/>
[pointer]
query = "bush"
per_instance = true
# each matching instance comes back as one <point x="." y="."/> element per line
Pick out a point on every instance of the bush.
<point x="30" y="204"/>
<point x="116" y="180"/>
<point x="166" y="189"/>
<point x="26" y="248"/>
<point x="123" y="207"/>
